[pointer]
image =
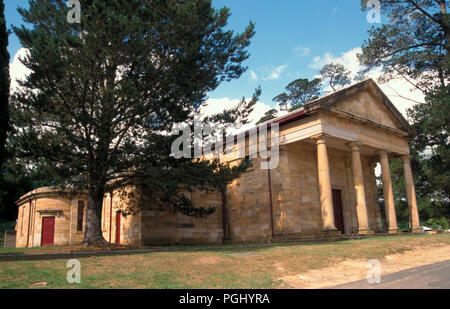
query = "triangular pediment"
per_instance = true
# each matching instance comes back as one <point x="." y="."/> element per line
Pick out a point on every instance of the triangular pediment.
<point x="364" y="101"/>
<point x="366" y="106"/>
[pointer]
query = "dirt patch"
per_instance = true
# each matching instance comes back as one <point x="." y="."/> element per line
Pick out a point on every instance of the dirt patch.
<point x="39" y="284"/>
<point x="208" y="260"/>
<point x="243" y="255"/>
<point x="353" y="270"/>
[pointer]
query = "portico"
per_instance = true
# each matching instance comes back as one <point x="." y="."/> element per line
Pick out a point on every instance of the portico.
<point x="360" y="120"/>
<point x="382" y="156"/>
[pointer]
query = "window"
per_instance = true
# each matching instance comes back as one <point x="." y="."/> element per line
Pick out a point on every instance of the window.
<point x="80" y="216"/>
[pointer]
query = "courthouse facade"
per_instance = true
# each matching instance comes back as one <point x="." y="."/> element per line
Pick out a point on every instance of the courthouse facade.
<point x="323" y="185"/>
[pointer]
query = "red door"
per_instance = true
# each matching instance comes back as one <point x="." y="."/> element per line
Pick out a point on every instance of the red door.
<point x="48" y="231"/>
<point x="338" y="212"/>
<point x="118" y="227"/>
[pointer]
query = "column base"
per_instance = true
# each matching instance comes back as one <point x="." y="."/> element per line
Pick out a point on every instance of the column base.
<point x="393" y="231"/>
<point x="367" y="231"/>
<point x="414" y="230"/>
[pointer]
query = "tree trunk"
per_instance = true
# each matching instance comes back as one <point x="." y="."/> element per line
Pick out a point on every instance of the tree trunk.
<point x="445" y="25"/>
<point x="93" y="232"/>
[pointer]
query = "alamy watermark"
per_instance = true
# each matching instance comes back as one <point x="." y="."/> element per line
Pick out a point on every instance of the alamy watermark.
<point x="374" y="13"/>
<point x="374" y="273"/>
<point x="74" y="14"/>
<point x="220" y="141"/>
<point x="74" y="273"/>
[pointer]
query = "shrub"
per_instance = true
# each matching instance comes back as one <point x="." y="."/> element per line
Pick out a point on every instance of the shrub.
<point x="7" y="226"/>
<point x="438" y="224"/>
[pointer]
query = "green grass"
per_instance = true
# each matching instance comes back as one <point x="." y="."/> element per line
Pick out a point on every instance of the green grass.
<point x="209" y="267"/>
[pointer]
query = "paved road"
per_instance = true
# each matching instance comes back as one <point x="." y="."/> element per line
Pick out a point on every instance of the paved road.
<point x="433" y="276"/>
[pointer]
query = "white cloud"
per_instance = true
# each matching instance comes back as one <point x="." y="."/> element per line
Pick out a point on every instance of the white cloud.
<point x="253" y="75"/>
<point x="402" y="94"/>
<point x="302" y="51"/>
<point x="17" y="71"/>
<point x="348" y="59"/>
<point x="218" y="105"/>
<point x="276" y="73"/>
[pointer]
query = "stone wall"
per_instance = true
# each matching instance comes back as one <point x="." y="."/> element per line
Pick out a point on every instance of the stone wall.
<point x="248" y="206"/>
<point x="162" y="226"/>
<point x="295" y="195"/>
<point x="47" y="202"/>
<point x="9" y="240"/>
<point x="126" y="202"/>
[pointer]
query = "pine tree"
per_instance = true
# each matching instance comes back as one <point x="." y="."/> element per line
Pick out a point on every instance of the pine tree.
<point x="269" y="115"/>
<point x="103" y="95"/>
<point x="298" y="93"/>
<point x="336" y="75"/>
<point x="4" y="83"/>
<point x="414" y="44"/>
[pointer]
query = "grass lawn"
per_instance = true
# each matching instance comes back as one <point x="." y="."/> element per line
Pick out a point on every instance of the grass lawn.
<point x="231" y="266"/>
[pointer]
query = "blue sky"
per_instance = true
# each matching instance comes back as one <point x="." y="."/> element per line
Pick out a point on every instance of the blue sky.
<point x="290" y="35"/>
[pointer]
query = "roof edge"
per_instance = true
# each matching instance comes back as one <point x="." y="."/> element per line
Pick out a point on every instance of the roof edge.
<point x="47" y="191"/>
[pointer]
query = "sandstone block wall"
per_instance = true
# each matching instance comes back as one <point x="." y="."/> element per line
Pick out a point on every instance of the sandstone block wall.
<point x="125" y="201"/>
<point x="46" y="203"/>
<point x="162" y="226"/>
<point x="9" y="240"/>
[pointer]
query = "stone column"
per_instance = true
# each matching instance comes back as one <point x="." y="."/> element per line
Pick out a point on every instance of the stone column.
<point x="326" y="197"/>
<point x="389" y="204"/>
<point x="360" y="191"/>
<point x="414" y="222"/>
<point x="376" y="204"/>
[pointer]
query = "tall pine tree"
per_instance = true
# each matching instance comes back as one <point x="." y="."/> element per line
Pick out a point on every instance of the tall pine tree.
<point x="103" y="95"/>
<point x="4" y="83"/>
<point x="298" y="93"/>
<point x="414" y="44"/>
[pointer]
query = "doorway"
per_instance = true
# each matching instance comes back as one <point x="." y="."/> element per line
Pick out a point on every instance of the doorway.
<point x="48" y="231"/>
<point x="338" y="212"/>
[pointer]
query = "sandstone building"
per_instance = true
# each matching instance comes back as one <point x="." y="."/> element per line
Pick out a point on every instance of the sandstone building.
<point x="324" y="185"/>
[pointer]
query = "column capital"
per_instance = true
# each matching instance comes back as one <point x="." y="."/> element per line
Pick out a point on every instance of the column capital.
<point x="321" y="138"/>
<point x="383" y="152"/>
<point x="406" y="158"/>
<point x="354" y="145"/>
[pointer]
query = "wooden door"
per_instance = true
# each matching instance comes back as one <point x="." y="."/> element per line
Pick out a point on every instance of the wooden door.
<point x="338" y="212"/>
<point x="48" y="231"/>
<point x="118" y="227"/>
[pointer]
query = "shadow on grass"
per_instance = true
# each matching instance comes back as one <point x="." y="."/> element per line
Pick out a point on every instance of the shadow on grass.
<point x="23" y="255"/>
<point x="226" y="248"/>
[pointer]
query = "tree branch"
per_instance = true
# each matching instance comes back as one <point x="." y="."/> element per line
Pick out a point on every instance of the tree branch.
<point x="424" y="12"/>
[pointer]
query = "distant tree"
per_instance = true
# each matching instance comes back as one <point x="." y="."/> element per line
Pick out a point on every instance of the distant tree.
<point x="431" y="150"/>
<point x="298" y="93"/>
<point x="4" y="83"/>
<point x="269" y="115"/>
<point x="414" y="43"/>
<point x="103" y="95"/>
<point x="17" y="179"/>
<point x="335" y="75"/>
